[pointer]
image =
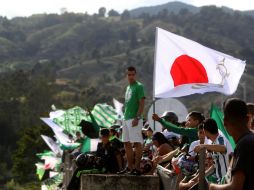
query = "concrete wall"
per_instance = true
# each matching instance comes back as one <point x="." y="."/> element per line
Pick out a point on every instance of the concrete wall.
<point x="119" y="182"/>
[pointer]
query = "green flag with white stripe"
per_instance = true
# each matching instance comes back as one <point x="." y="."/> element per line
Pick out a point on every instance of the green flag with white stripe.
<point x="218" y="116"/>
<point x="104" y="115"/>
<point x="89" y="145"/>
<point x="52" y="183"/>
<point x="70" y="119"/>
<point x="40" y="170"/>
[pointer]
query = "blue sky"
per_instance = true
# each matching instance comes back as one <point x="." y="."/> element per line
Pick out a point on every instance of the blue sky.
<point x="12" y="8"/>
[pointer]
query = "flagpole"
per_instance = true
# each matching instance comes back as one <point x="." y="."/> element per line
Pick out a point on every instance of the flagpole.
<point x="154" y="73"/>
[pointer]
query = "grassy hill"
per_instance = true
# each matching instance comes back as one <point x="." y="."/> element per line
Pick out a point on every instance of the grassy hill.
<point x="174" y="7"/>
<point x="250" y="13"/>
<point x="92" y="52"/>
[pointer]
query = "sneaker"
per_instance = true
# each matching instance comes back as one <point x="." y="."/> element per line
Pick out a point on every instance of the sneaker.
<point x="124" y="171"/>
<point x="135" y="172"/>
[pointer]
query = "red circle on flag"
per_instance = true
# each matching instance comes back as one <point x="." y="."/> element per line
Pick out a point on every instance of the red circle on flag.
<point x="187" y="70"/>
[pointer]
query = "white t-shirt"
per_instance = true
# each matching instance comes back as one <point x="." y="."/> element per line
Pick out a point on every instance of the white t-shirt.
<point x="195" y="143"/>
<point x="221" y="160"/>
<point x="169" y="134"/>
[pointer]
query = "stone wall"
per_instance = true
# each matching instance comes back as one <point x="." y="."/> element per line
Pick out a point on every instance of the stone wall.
<point x="119" y="182"/>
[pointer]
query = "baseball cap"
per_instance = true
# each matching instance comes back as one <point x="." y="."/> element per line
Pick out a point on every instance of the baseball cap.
<point x="170" y="115"/>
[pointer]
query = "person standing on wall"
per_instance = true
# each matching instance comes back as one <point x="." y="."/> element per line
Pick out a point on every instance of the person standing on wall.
<point x="132" y="125"/>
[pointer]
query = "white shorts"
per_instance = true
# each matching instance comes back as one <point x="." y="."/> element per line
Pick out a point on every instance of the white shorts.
<point x="132" y="134"/>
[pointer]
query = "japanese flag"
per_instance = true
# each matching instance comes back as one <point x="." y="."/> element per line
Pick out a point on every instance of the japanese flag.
<point x="184" y="67"/>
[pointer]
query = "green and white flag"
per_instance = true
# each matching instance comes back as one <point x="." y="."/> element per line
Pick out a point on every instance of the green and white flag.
<point x="51" y="161"/>
<point x="119" y="108"/>
<point x="89" y="145"/>
<point x="52" y="183"/>
<point x="40" y="170"/>
<point x="52" y="145"/>
<point x="62" y="139"/>
<point x="218" y="116"/>
<point x="45" y="153"/>
<point x="105" y="115"/>
<point x="69" y="119"/>
<point x="53" y="174"/>
<point x="51" y="124"/>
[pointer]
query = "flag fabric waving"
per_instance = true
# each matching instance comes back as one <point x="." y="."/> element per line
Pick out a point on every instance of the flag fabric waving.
<point x="50" y="160"/>
<point x="52" y="183"/>
<point x="89" y="145"/>
<point x="105" y="115"/>
<point x="52" y="145"/>
<point x="62" y="139"/>
<point x="45" y="153"/>
<point x="218" y="116"/>
<point x="51" y="124"/>
<point x="40" y="170"/>
<point x="184" y="67"/>
<point x="118" y="107"/>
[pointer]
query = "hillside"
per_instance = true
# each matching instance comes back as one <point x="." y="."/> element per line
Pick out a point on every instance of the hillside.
<point x="174" y="7"/>
<point x="250" y="13"/>
<point x="87" y="51"/>
<point x="80" y="59"/>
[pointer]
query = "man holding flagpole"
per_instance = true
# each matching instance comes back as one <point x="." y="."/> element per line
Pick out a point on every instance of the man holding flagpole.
<point x="132" y="125"/>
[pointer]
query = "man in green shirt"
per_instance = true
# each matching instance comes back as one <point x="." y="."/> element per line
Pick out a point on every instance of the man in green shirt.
<point x="193" y="120"/>
<point x="132" y="125"/>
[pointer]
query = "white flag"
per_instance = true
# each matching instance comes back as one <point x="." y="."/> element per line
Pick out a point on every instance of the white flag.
<point x="52" y="145"/>
<point x="56" y="114"/>
<point x="65" y="142"/>
<point x="50" y="162"/>
<point x="51" y="124"/>
<point x="118" y="107"/>
<point x="184" y="67"/>
<point x="61" y="137"/>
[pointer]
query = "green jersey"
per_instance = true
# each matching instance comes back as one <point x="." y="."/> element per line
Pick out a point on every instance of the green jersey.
<point x="191" y="133"/>
<point x="134" y="93"/>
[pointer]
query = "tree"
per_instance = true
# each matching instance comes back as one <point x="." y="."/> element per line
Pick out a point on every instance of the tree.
<point x="163" y="14"/>
<point x="125" y="15"/>
<point x="25" y="155"/>
<point x="102" y="12"/>
<point x="113" y="13"/>
<point x="132" y="31"/>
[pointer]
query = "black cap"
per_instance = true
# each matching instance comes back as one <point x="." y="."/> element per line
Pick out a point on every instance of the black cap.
<point x="88" y="130"/>
<point x="104" y="132"/>
<point x="115" y="127"/>
<point x="170" y="115"/>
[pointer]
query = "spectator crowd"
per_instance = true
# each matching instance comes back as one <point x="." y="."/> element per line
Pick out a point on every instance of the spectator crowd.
<point x="133" y="147"/>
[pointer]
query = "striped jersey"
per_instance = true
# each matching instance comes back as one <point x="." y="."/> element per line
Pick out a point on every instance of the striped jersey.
<point x="221" y="160"/>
